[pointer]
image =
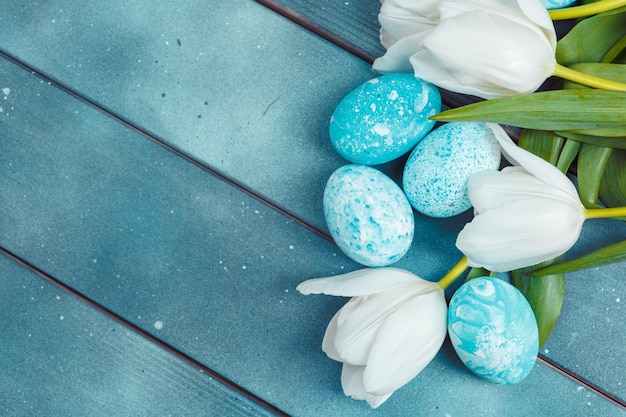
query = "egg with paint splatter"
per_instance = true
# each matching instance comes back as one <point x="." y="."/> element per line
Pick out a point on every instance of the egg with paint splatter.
<point x="493" y="330"/>
<point x="383" y="118"/>
<point x="368" y="215"/>
<point x="436" y="173"/>
<point x="557" y="4"/>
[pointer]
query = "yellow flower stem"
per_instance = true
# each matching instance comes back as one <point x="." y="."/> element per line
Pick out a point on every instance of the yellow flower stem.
<point x="603" y="213"/>
<point x="453" y="274"/>
<point x="586" y="79"/>
<point x="585" y="9"/>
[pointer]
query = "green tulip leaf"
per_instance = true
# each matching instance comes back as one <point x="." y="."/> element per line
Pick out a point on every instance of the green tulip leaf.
<point x="590" y="168"/>
<point x="568" y="154"/>
<point x="616" y="53"/>
<point x="592" y="38"/>
<point x="609" y="132"/>
<point x="545" y="295"/>
<point x="612" y="72"/>
<point x="606" y="255"/>
<point x="542" y="143"/>
<point x="611" y="142"/>
<point x="613" y="184"/>
<point x="581" y="110"/>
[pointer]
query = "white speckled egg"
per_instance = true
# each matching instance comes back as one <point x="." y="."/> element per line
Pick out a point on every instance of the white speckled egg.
<point x="436" y="173"/>
<point x="383" y="118"/>
<point x="368" y="216"/>
<point x="493" y="330"/>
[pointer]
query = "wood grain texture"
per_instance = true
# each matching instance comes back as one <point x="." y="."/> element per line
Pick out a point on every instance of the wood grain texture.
<point x="60" y="357"/>
<point x="351" y="25"/>
<point x="118" y="191"/>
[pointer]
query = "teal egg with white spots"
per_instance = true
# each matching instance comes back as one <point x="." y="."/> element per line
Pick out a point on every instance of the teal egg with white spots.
<point x="383" y="118"/>
<point x="493" y="330"/>
<point x="557" y="4"/>
<point x="436" y="173"/>
<point x="368" y="215"/>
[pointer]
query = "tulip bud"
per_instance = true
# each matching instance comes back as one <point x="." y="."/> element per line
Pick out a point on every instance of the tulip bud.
<point x="389" y="331"/>
<point x="525" y="214"/>
<point x="486" y="48"/>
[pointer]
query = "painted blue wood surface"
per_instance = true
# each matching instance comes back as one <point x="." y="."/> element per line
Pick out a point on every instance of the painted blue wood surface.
<point x="353" y="25"/>
<point x="155" y="238"/>
<point x="218" y="83"/>
<point x="60" y="357"/>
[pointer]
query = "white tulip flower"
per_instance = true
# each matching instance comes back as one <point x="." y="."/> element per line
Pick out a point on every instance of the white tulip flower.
<point x="486" y="48"/>
<point x="402" y="18"/>
<point x="524" y="214"/>
<point x="392" y="327"/>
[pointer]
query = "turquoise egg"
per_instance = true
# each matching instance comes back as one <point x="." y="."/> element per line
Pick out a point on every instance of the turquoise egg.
<point x="557" y="4"/>
<point x="493" y="330"/>
<point x="436" y="173"/>
<point x="368" y="216"/>
<point x="383" y="118"/>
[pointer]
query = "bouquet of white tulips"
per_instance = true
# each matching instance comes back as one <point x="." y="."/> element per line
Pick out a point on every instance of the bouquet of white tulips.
<point x="526" y="216"/>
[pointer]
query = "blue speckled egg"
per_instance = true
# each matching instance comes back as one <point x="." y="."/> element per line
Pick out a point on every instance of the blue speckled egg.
<point x="368" y="216"/>
<point x="436" y="173"/>
<point x="493" y="330"/>
<point x="557" y="4"/>
<point x="383" y="118"/>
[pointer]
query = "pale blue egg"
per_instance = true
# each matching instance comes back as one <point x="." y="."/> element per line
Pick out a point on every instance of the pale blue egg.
<point x="557" y="4"/>
<point x="368" y="216"/>
<point x="383" y="118"/>
<point x="436" y="173"/>
<point x="493" y="330"/>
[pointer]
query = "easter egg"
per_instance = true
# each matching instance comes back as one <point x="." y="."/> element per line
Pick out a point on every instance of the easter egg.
<point x="383" y="118"/>
<point x="493" y="330"/>
<point x="436" y="173"/>
<point x="368" y="216"/>
<point x="557" y="4"/>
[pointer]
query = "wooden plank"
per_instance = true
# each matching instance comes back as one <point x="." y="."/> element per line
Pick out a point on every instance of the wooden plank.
<point x="60" y="357"/>
<point x="214" y="82"/>
<point x="203" y="266"/>
<point x="352" y="25"/>
<point x="103" y="204"/>
<point x="588" y="338"/>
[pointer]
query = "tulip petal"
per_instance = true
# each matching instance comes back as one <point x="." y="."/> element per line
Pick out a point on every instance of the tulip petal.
<point x="532" y="163"/>
<point x="397" y="57"/>
<point x="351" y="334"/>
<point x="490" y="189"/>
<point x="406" y="343"/>
<point x="352" y="384"/>
<point x="521" y="234"/>
<point x="538" y="14"/>
<point x="362" y="282"/>
<point x="408" y="8"/>
<point x="401" y="18"/>
<point x="531" y="14"/>
<point x="328" y="344"/>
<point x="361" y="319"/>
<point x="516" y="61"/>
<point x="399" y="30"/>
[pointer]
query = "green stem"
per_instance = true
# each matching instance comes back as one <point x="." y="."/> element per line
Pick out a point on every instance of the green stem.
<point x="586" y="79"/>
<point x="568" y="154"/>
<point x="586" y="9"/>
<point x="453" y="274"/>
<point x="603" y="213"/>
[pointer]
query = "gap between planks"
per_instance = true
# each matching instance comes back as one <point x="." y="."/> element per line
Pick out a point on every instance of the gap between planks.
<point x="136" y="329"/>
<point x="291" y="15"/>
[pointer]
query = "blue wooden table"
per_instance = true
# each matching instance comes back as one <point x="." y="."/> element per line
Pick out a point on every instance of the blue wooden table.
<point x="161" y="174"/>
